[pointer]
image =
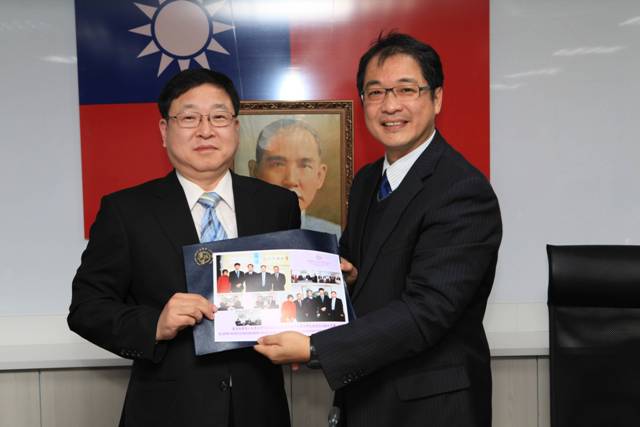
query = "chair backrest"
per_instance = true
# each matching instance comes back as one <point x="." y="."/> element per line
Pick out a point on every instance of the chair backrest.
<point x="594" y="335"/>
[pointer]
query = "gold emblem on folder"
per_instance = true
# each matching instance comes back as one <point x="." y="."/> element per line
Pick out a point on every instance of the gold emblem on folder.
<point x="203" y="256"/>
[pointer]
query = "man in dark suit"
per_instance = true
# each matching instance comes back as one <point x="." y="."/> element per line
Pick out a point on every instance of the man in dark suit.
<point x="309" y="308"/>
<point x="277" y="279"/>
<point x="250" y="279"/>
<point x="299" y="302"/>
<point x="322" y="306"/>
<point x="422" y="235"/>
<point x="336" y="311"/>
<point x="236" y="278"/>
<point x="129" y="293"/>
<point x="264" y="283"/>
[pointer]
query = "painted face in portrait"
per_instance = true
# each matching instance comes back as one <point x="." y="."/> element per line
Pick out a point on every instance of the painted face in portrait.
<point x="203" y="151"/>
<point x="291" y="159"/>
<point x="400" y="124"/>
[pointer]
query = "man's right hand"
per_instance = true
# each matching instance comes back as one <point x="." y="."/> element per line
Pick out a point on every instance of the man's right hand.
<point x="349" y="271"/>
<point x="182" y="310"/>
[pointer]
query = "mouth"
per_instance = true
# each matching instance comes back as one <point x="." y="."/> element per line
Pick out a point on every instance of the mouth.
<point x="394" y="124"/>
<point x="205" y="148"/>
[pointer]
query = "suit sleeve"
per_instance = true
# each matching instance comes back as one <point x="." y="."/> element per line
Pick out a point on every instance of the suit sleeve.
<point x="294" y="220"/>
<point x="455" y="250"/>
<point x="101" y="308"/>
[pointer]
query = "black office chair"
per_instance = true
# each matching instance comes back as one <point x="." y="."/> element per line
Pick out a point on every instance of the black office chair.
<point x="594" y="335"/>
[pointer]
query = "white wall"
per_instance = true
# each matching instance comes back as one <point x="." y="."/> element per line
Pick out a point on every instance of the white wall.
<point x="41" y="235"/>
<point x="565" y="158"/>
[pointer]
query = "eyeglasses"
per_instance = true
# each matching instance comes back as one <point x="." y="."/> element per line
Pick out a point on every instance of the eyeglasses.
<point x="191" y="120"/>
<point x="377" y="94"/>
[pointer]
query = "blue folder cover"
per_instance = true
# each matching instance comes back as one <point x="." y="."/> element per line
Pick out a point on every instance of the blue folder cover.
<point x="198" y="266"/>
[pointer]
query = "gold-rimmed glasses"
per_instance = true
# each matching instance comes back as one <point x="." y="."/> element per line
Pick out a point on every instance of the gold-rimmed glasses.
<point x="191" y="119"/>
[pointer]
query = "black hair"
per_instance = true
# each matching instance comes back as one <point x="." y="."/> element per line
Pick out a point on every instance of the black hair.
<point x="395" y="43"/>
<point x="188" y="79"/>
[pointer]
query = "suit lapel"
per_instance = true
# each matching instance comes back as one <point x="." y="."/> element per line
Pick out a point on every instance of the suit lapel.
<point x="411" y="185"/>
<point x="247" y="219"/>
<point x="369" y="186"/>
<point x="172" y="212"/>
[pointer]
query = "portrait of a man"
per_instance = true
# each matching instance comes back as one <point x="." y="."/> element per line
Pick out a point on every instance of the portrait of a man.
<point x="301" y="152"/>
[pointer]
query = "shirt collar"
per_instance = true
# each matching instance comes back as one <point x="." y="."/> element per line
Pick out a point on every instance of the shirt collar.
<point x="399" y="169"/>
<point x="193" y="191"/>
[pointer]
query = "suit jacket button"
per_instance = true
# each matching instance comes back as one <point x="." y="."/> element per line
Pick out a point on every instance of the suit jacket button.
<point x="223" y="385"/>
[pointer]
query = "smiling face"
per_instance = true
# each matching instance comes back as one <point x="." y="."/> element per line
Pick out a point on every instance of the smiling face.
<point x="202" y="154"/>
<point x="400" y="126"/>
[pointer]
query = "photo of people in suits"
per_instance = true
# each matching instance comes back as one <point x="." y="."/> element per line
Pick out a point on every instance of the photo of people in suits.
<point x="270" y="291"/>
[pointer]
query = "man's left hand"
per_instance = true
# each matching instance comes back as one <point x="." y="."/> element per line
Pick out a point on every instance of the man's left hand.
<point x="284" y="348"/>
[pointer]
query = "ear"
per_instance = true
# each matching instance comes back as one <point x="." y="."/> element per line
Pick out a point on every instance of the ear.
<point x="163" y="131"/>
<point x="322" y="174"/>
<point x="437" y="100"/>
<point x="252" y="168"/>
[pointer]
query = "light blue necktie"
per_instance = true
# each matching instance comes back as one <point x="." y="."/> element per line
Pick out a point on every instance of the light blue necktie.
<point x="211" y="227"/>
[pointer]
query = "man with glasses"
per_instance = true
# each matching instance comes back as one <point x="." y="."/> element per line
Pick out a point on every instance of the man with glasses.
<point x="422" y="235"/>
<point x="129" y="293"/>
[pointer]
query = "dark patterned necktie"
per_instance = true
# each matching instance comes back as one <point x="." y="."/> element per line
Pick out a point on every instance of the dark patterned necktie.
<point x="385" y="188"/>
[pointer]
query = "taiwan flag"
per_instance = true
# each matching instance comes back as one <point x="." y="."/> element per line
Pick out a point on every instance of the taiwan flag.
<point x="128" y="50"/>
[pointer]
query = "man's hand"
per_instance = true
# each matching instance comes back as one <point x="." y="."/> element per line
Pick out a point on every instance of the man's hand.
<point x="284" y="348"/>
<point x="180" y="311"/>
<point x="349" y="271"/>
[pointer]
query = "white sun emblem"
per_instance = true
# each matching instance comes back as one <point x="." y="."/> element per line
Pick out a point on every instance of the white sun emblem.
<point x="182" y="30"/>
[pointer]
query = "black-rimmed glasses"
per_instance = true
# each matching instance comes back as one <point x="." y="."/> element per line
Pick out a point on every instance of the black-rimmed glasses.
<point x="377" y="94"/>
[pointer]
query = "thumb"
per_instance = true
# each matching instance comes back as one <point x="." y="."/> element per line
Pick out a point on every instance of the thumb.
<point x="268" y="340"/>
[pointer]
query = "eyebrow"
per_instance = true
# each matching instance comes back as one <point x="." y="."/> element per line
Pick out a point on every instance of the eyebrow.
<point x="214" y="107"/>
<point x="402" y="80"/>
<point x="275" y="157"/>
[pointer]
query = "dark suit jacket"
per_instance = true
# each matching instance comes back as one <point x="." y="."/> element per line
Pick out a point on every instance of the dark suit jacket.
<point x="309" y="309"/>
<point x="236" y="279"/>
<point x="132" y="265"/>
<point x="267" y="282"/>
<point x="251" y="281"/>
<point x="323" y="315"/>
<point x="337" y="314"/>
<point x="417" y="354"/>
<point x="278" y="284"/>
<point x="300" y="315"/>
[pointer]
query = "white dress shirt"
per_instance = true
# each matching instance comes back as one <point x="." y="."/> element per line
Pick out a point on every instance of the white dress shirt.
<point x="400" y="168"/>
<point x="225" y="210"/>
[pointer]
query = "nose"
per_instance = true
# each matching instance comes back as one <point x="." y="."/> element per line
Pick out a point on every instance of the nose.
<point x="290" y="177"/>
<point x="205" y="129"/>
<point x="390" y="103"/>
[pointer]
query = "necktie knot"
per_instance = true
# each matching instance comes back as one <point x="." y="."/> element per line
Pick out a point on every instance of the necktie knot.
<point x="209" y="200"/>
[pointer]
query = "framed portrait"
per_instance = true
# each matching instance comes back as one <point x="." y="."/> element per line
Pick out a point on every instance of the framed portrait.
<point x="305" y="146"/>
